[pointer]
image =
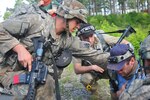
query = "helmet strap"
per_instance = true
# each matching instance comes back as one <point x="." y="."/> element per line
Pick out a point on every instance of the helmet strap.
<point x="67" y="28"/>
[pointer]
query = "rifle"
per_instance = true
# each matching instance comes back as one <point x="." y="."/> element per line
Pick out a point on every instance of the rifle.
<point x="129" y="30"/>
<point x="39" y="70"/>
<point x="118" y="31"/>
<point x="125" y="33"/>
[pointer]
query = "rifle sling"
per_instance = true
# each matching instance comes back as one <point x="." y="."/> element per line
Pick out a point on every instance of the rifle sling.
<point x="55" y="75"/>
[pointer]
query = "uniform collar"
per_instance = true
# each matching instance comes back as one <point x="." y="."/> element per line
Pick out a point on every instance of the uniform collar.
<point x="53" y="28"/>
<point x="97" y="43"/>
<point x="96" y="39"/>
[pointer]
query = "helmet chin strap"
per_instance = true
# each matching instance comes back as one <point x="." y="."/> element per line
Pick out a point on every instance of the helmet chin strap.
<point x="67" y="28"/>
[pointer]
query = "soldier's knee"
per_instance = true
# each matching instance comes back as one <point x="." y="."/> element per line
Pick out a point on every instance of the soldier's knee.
<point x="6" y="97"/>
<point x="46" y="91"/>
<point x="86" y="78"/>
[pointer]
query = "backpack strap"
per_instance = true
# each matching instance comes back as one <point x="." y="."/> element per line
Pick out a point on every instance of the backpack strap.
<point x="103" y="42"/>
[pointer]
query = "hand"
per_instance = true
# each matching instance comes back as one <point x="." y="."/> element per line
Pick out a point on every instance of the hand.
<point x="52" y="11"/>
<point x="41" y="3"/>
<point x="97" y="68"/>
<point x="24" y="57"/>
<point x="121" y="90"/>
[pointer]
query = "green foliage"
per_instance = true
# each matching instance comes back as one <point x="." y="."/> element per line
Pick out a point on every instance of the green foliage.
<point x="18" y="2"/>
<point x="7" y="14"/>
<point x="139" y="21"/>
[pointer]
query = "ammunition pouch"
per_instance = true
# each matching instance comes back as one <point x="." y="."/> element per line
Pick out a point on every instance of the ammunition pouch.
<point x="64" y="59"/>
<point x="105" y="46"/>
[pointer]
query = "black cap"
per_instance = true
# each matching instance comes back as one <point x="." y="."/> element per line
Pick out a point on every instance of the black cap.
<point x="85" y="30"/>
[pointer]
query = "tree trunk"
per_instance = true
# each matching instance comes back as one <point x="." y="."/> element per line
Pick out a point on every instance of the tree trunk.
<point x="113" y="6"/>
<point x="95" y="5"/>
<point x="148" y="6"/>
<point x="124" y="7"/>
<point x="104" y="7"/>
<point x="89" y="7"/>
<point x="138" y="9"/>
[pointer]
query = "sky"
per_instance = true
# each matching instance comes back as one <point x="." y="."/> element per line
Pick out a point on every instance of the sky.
<point x="3" y="5"/>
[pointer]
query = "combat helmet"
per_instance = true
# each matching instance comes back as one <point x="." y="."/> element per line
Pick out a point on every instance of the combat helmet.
<point x="85" y="30"/>
<point x="145" y="48"/>
<point x="72" y="8"/>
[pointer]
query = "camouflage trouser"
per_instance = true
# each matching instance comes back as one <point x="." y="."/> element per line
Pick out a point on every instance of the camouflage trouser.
<point x="44" y="92"/>
<point x="90" y="79"/>
<point x="90" y="82"/>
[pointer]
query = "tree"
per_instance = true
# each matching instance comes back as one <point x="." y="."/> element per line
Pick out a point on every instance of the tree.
<point x="131" y="4"/>
<point x="148" y="6"/>
<point x="112" y="6"/>
<point x="143" y="4"/>
<point x="122" y="5"/>
<point x="18" y="3"/>
<point x="6" y="15"/>
<point x="9" y="11"/>
<point x="138" y="5"/>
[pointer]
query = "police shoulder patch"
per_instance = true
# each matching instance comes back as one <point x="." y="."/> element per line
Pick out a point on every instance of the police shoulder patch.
<point x="84" y="44"/>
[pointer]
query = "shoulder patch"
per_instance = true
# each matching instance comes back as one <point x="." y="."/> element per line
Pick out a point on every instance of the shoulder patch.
<point x="84" y="44"/>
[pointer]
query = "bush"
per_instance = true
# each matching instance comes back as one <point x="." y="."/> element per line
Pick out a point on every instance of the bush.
<point x="139" y="21"/>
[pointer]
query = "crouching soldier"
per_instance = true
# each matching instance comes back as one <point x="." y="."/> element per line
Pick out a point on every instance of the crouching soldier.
<point x="90" y="72"/>
<point x="123" y="70"/>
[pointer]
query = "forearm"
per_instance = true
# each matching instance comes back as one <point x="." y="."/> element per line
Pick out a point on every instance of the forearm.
<point x="125" y="42"/>
<point x="7" y="42"/>
<point x="112" y="40"/>
<point x="83" y="69"/>
<point x="18" y="48"/>
<point x="94" y="57"/>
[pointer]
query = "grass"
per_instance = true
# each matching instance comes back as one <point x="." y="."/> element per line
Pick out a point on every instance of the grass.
<point x="72" y="89"/>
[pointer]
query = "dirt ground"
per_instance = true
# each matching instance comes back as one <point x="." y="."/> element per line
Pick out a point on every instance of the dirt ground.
<point x="72" y="89"/>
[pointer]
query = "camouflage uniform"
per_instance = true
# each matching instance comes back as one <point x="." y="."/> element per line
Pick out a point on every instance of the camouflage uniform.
<point x="33" y="22"/>
<point x="140" y="89"/>
<point x="145" y="54"/>
<point x="132" y="81"/>
<point x="50" y="6"/>
<point x="90" y="79"/>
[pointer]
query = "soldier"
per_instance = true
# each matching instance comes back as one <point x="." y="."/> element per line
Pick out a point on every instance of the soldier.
<point x="48" y="5"/>
<point x="145" y="55"/>
<point x="30" y="21"/>
<point x="140" y="88"/>
<point x="123" y="68"/>
<point x="99" y="42"/>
